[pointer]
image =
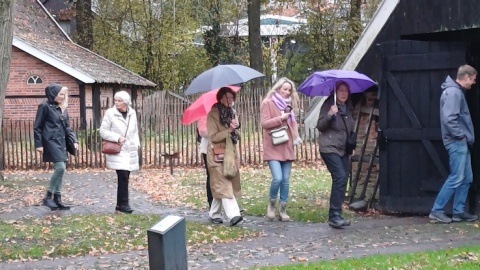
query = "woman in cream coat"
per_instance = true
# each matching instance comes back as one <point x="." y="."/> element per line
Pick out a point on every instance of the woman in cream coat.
<point x="114" y="128"/>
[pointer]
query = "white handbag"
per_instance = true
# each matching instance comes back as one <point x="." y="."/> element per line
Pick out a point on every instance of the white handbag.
<point x="279" y="135"/>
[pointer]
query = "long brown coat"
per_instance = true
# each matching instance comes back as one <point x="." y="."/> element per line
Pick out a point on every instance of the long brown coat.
<point x="222" y="188"/>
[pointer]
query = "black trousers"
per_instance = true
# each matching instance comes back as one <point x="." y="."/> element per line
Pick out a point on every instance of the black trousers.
<point x="207" y="185"/>
<point x="338" y="167"/>
<point x="122" y="189"/>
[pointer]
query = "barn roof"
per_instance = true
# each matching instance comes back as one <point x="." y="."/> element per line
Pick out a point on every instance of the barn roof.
<point x="38" y="34"/>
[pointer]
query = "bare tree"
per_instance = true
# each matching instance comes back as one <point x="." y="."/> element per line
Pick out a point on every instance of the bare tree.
<point x="6" y="39"/>
<point x="254" y="38"/>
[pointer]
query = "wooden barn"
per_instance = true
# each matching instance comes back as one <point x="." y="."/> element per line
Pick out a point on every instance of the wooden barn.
<point x="410" y="47"/>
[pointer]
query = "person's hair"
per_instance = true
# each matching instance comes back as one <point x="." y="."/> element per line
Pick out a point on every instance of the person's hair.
<point x="64" y="104"/>
<point x="466" y="70"/>
<point x="340" y="83"/>
<point x="125" y="96"/>
<point x="223" y="91"/>
<point x="293" y="92"/>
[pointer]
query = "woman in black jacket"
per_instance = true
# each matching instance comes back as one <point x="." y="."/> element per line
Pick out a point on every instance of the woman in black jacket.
<point x="52" y="132"/>
<point x="335" y="124"/>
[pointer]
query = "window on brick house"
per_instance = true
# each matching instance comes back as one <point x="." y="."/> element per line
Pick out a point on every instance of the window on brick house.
<point x="34" y="79"/>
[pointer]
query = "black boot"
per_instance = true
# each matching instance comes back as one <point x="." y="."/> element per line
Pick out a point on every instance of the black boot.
<point x="336" y="220"/>
<point x="124" y="209"/>
<point x="49" y="202"/>
<point x="122" y="192"/>
<point x="57" y="198"/>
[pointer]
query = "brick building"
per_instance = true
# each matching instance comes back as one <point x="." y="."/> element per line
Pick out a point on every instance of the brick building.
<point x="43" y="53"/>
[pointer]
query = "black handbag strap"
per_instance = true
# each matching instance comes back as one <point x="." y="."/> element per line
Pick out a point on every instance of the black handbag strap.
<point x="62" y="115"/>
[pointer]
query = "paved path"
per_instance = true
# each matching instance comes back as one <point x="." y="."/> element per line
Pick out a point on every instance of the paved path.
<point x="281" y="243"/>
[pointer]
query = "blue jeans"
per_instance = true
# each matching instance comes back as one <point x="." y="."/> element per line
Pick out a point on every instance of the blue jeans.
<point x="339" y="168"/>
<point x="459" y="180"/>
<point x="57" y="177"/>
<point x="280" y="178"/>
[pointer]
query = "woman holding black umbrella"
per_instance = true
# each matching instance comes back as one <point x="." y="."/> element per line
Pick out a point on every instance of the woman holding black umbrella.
<point x="335" y="124"/>
<point x="223" y="125"/>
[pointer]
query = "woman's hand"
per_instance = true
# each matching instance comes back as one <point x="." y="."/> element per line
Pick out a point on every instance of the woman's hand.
<point x="40" y="149"/>
<point x="75" y="145"/>
<point x="122" y="140"/>
<point x="233" y="125"/>
<point x="285" y="116"/>
<point x="333" y="110"/>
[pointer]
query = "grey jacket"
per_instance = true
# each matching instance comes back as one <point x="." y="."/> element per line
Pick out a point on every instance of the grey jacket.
<point x="333" y="136"/>
<point x="455" y="119"/>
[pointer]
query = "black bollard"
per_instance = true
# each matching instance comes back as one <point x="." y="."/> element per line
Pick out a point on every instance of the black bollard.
<point x="167" y="244"/>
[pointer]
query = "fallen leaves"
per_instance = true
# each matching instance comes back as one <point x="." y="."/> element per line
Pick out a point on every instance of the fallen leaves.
<point x="50" y="251"/>
<point x="298" y="259"/>
<point x="465" y="256"/>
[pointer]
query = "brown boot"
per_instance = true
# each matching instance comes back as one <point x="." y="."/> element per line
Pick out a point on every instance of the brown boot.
<point x="271" y="209"/>
<point x="283" y="213"/>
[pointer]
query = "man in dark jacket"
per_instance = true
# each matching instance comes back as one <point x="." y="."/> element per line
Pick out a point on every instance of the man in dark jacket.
<point x="457" y="135"/>
<point x="52" y="132"/>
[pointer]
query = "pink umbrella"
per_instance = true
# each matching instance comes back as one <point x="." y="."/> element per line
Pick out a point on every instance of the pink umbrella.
<point x="202" y="106"/>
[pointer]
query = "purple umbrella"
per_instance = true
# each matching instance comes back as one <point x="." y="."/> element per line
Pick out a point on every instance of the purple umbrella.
<point x="322" y="83"/>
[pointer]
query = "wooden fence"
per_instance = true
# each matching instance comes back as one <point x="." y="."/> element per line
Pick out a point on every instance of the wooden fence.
<point x="161" y="134"/>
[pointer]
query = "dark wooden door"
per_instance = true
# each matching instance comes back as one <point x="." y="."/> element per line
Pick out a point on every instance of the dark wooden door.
<point x="413" y="161"/>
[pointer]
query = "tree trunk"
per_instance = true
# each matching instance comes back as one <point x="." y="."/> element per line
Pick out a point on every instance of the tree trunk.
<point x="84" y="20"/>
<point x="6" y="39"/>
<point x="254" y="38"/>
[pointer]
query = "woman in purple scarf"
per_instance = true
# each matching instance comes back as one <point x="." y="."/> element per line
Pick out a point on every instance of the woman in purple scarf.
<point x="277" y="110"/>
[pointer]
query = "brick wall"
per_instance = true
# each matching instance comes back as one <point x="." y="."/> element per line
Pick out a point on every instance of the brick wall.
<point x="367" y="102"/>
<point x="22" y="67"/>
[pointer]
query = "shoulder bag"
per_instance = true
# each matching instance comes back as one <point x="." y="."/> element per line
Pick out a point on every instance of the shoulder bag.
<point x="113" y="148"/>
<point x="69" y="141"/>
<point x="279" y="135"/>
<point x="230" y="166"/>
<point x="351" y="143"/>
<point x="218" y="154"/>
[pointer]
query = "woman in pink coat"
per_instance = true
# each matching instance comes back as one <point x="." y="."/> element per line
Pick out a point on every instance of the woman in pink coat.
<point x="277" y="110"/>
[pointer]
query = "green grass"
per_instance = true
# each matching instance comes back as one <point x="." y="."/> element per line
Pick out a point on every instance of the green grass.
<point x="68" y="235"/>
<point x="20" y="183"/>
<point x="308" y="197"/>
<point x="456" y="258"/>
